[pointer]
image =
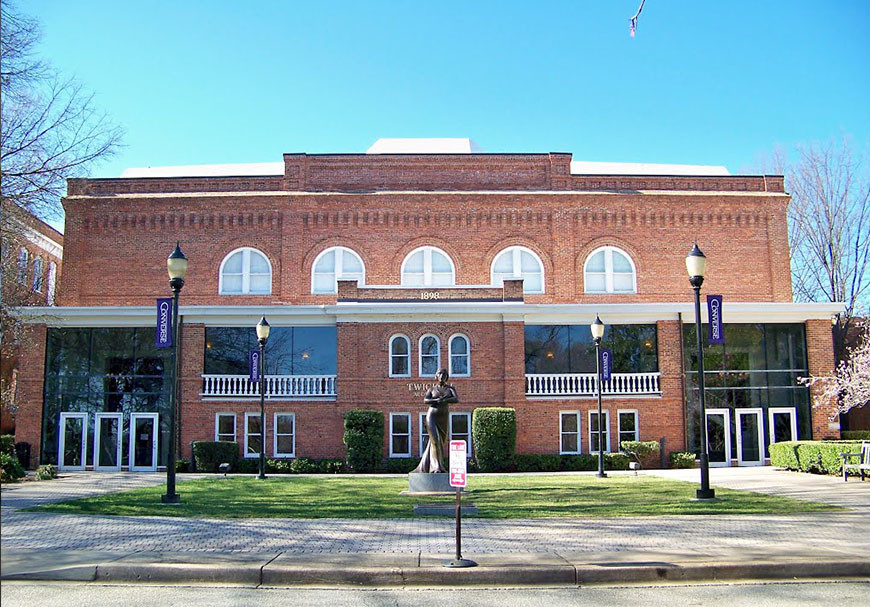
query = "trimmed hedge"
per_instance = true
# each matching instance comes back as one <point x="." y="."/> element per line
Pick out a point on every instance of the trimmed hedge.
<point x="400" y="465"/>
<point x="494" y="436"/>
<point x="855" y="434"/>
<point x="577" y="463"/>
<point x="536" y="462"/>
<point x="818" y="457"/>
<point x="208" y="455"/>
<point x="644" y="452"/>
<point x="364" y="439"/>
<point x="680" y="459"/>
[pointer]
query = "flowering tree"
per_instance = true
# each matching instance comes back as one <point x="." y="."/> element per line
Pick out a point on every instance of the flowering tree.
<point x="849" y="384"/>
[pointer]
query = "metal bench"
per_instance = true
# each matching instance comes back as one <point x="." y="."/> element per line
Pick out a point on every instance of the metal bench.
<point x="862" y="466"/>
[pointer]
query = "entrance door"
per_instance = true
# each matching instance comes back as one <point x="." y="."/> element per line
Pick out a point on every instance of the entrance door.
<point x="107" y="441"/>
<point x="781" y="424"/>
<point x="750" y="438"/>
<point x="719" y="437"/>
<point x="72" y="443"/>
<point x="143" y="442"/>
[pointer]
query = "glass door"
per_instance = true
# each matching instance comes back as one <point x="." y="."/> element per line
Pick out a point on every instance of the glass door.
<point x="750" y="439"/>
<point x="781" y="424"/>
<point x="107" y="441"/>
<point x="73" y="441"/>
<point x="719" y="437"/>
<point x="143" y="442"/>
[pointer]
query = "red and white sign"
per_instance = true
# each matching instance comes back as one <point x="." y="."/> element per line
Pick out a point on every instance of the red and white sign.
<point x="458" y="463"/>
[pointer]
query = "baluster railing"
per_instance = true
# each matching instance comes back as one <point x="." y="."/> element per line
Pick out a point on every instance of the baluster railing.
<point x="585" y="384"/>
<point x="277" y="386"/>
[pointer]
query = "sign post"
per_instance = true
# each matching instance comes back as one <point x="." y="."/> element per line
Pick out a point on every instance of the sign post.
<point x="458" y="479"/>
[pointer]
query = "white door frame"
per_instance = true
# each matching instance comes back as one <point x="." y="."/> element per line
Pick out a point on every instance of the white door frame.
<point x="792" y="413"/>
<point x="65" y="415"/>
<point x="120" y="420"/>
<point x="759" y="416"/>
<point x="726" y="413"/>
<point x="156" y="432"/>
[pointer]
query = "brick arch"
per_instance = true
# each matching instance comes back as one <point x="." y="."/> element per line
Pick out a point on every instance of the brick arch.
<point x="427" y="241"/>
<point x="521" y="241"/>
<point x="334" y="241"/>
<point x="603" y="241"/>
<point x="239" y="242"/>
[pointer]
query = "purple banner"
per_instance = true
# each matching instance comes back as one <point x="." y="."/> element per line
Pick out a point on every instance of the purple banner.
<point x="164" y="323"/>
<point x="606" y="364"/>
<point x="714" y="314"/>
<point x="255" y="365"/>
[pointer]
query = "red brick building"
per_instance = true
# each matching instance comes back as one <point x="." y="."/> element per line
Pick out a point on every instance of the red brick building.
<point x="376" y="269"/>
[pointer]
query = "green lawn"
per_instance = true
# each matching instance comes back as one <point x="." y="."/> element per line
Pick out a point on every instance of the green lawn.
<point x="501" y="496"/>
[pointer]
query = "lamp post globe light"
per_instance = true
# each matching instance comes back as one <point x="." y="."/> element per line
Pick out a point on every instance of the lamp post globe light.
<point x="176" y="266"/>
<point x="696" y="265"/>
<point x="262" y="337"/>
<point x="597" y="329"/>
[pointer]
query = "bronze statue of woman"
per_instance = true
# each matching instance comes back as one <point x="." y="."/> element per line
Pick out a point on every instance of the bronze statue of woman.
<point x="439" y="398"/>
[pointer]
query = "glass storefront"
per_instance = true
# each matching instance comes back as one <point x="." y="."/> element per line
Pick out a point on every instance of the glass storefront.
<point x="289" y="351"/>
<point x="570" y="348"/>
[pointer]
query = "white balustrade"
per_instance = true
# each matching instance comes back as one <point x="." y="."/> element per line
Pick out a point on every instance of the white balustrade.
<point x="584" y="384"/>
<point x="277" y="386"/>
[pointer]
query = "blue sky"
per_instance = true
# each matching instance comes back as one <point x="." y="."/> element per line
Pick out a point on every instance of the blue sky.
<point x="203" y="82"/>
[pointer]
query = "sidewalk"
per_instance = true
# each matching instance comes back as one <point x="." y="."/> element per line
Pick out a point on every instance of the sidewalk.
<point x="408" y="552"/>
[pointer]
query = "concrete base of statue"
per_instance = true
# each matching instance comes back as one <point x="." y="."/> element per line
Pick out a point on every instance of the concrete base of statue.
<point x="423" y="483"/>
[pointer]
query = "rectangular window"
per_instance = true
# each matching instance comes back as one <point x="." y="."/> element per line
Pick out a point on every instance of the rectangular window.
<point x="555" y="349"/>
<point x="289" y="351"/>
<point x="400" y="435"/>
<point x="460" y="429"/>
<point x="285" y="435"/>
<point x="569" y="432"/>
<point x="628" y="429"/>
<point x="424" y="434"/>
<point x="225" y="427"/>
<point x="253" y="438"/>
<point x="593" y="431"/>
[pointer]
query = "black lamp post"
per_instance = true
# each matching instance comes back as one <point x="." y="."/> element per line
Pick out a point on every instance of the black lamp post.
<point x="597" y="328"/>
<point x="176" y="265"/>
<point x="696" y="265"/>
<point x="262" y="338"/>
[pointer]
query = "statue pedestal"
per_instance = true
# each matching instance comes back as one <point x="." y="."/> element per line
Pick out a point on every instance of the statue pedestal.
<point x="427" y="482"/>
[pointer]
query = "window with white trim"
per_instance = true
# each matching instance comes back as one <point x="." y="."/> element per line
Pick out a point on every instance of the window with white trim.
<point x="400" y="435"/>
<point x="332" y="265"/>
<point x="430" y="355"/>
<point x="593" y="431"/>
<point x="460" y="429"/>
<point x="245" y="272"/>
<point x="52" y="283"/>
<point x="569" y="432"/>
<point x="428" y="267"/>
<point x="253" y="441"/>
<point x="285" y="435"/>
<point x="400" y="356"/>
<point x="628" y="429"/>
<point x="518" y="262"/>
<point x="609" y="270"/>
<point x="225" y="427"/>
<point x="37" y="275"/>
<point x="424" y="434"/>
<point x="23" y="255"/>
<point x="460" y="356"/>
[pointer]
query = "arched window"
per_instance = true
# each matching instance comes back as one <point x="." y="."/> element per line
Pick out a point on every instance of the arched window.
<point x="428" y="267"/>
<point x="332" y="265"/>
<point x="609" y="270"/>
<point x="430" y="355"/>
<point x="245" y="272"/>
<point x="518" y="262"/>
<point x="22" y="265"/>
<point x="37" y="275"/>
<point x="400" y="356"/>
<point x="460" y="356"/>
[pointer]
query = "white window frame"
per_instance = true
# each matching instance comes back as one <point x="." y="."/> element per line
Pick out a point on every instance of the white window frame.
<point x="424" y="433"/>
<point x="250" y="414"/>
<point x="393" y="434"/>
<point x="516" y="268"/>
<point x="608" y="270"/>
<point x="427" y="267"/>
<point x="246" y="272"/>
<point x="620" y="431"/>
<point x="37" y="274"/>
<point x="23" y="258"/>
<point x="275" y="434"/>
<point x="407" y="356"/>
<point x="52" y="283"/>
<point x="467" y="416"/>
<point x="579" y="432"/>
<point x="467" y="354"/>
<point x="217" y="424"/>
<point x="605" y="413"/>
<point x="420" y="354"/>
<point x="337" y="269"/>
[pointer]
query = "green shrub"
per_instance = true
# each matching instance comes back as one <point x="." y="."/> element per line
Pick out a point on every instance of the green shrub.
<point x="680" y="459"/>
<point x="494" y="436"/>
<point x="330" y="466"/>
<point x="400" y="465"/>
<point x="303" y="465"/>
<point x="248" y="465"/>
<point x="536" y="462"/>
<point x="364" y="439"/>
<point x="645" y="452"/>
<point x="276" y="466"/>
<point x="208" y="455"/>
<point x="616" y="461"/>
<point x="182" y="464"/>
<point x="10" y="469"/>
<point x="7" y="444"/>
<point x="575" y="463"/>
<point x="819" y="457"/>
<point x="46" y="472"/>
<point x="856" y="434"/>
